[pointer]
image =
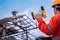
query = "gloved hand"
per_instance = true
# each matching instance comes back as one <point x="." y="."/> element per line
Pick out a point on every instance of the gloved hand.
<point x="38" y="15"/>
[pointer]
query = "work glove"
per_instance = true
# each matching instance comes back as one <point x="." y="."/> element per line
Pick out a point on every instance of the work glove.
<point x="38" y="15"/>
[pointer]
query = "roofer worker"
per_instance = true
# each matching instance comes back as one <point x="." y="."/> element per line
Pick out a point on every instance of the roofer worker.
<point x="53" y="27"/>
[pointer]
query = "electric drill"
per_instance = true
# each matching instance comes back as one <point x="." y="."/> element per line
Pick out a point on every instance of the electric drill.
<point x="43" y="12"/>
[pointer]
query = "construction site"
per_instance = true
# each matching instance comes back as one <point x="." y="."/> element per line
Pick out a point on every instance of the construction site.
<point x="17" y="26"/>
<point x="30" y="20"/>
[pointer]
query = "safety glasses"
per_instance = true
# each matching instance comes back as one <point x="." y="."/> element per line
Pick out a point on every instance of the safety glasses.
<point x="57" y="7"/>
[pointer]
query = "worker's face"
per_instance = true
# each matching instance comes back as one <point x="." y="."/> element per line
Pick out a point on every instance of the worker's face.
<point x="55" y="11"/>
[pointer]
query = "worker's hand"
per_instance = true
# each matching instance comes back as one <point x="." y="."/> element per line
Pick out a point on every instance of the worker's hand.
<point x="38" y="15"/>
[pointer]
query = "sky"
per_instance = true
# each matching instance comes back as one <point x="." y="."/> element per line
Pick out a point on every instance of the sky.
<point x="25" y="6"/>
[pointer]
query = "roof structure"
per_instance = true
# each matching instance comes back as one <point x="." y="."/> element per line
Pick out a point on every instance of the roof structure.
<point x="17" y="26"/>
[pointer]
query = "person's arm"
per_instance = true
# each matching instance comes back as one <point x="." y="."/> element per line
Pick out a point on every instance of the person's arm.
<point x="48" y="28"/>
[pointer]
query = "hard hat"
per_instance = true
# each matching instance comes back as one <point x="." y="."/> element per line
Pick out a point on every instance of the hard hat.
<point x="55" y="2"/>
